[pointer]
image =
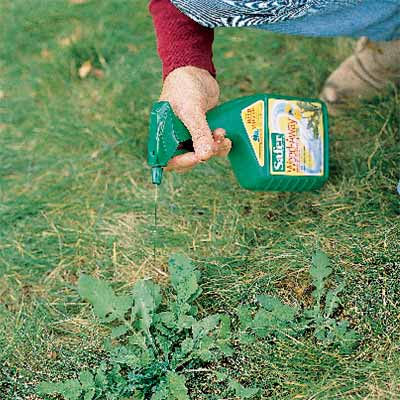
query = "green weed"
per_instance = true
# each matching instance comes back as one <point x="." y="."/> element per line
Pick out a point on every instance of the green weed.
<point x="152" y="342"/>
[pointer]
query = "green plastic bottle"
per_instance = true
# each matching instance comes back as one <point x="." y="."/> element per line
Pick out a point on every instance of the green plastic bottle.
<point x="278" y="143"/>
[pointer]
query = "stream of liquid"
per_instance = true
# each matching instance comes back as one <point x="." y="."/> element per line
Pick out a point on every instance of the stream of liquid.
<point x="155" y="225"/>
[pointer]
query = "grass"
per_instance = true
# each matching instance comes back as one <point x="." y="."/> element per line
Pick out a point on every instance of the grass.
<point x="76" y="197"/>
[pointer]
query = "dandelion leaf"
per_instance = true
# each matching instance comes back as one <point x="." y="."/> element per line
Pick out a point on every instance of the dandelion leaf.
<point x="332" y="300"/>
<point x="177" y="386"/>
<point x="279" y="311"/>
<point x="71" y="389"/>
<point x="147" y="298"/>
<point x="204" y="326"/>
<point x="118" y="331"/>
<point x="184" y="278"/>
<point x="320" y="269"/>
<point x="106" y="305"/>
<point x="245" y="319"/>
<point x="241" y="391"/>
<point x="87" y="380"/>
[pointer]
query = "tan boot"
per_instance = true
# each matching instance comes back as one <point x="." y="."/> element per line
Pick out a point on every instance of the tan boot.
<point x="372" y="67"/>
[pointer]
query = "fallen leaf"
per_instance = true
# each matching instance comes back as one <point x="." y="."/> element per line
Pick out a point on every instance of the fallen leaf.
<point x="95" y="154"/>
<point x="75" y="36"/>
<point x="85" y="69"/>
<point x="229" y="54"/>
<point x="244" y="87"/>
<point x="45" y="53"/>
<point x="52" y="355"/>
<point x="64" y="42"/>
<point x="102" y="60"/>
<point x="77" y="1"/>
<point x="132" y="48"/>
<point x="98" y="73"/>
<point x="2" y="95"/>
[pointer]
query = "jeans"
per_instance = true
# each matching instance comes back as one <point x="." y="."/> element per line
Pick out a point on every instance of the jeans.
<point x="376" y="19"/>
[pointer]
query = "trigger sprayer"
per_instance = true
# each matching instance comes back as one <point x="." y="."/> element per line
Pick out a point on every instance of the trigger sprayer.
<point x="278" y="143"/>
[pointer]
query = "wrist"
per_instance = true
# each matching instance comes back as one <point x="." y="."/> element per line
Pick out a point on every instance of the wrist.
<point x="194" y="67"/>
<point x="190" y="70"/>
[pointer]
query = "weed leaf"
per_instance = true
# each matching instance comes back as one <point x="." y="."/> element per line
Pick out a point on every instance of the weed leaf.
<point x="48" y="388"/>
<point x="101" y="378"/>
<point x="106" y="305"/>
<point x="118" y="331"/>
<point x="89" y="394"/>
<point x="269" y="303"/>
<point x="147" y="298"/>
<point x="161" y="392"/>
<point x="241" y="391"/>
<point x="245" y="319"/>
<point x="246" y="338"/>
<point x="220" y="376"/>
<point x="185" y="322"/>
<point x="332" y="300"/>
<point x="320" y="269"/>
<point x="166" y="318"/>
<point x="279" y="311"/>
<point x="205" y="325"/>
<point x="177" y="387"/>
<point x="225" y="329"/>
<point x="187" y="346"/>
<point x="71" y="389"/>
<point x="184" y="278"/>
<point x="86" y="379"/>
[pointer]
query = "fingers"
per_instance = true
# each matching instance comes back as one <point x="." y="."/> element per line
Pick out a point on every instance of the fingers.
<point x="219" y="135"/>
<point x="182" y="163"/>
<point x="222" y="144"/>
<point x="203" y="141"/>
<point x="218" y="146"/>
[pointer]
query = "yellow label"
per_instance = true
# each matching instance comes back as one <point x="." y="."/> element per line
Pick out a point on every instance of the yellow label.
<point x="296" y="137"/>
<point x="253" y="120"/>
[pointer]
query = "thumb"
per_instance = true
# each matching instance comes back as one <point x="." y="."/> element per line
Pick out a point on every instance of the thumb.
<point x="203" y="141"/>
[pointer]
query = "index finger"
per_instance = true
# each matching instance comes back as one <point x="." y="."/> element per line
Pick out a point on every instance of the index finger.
<point x="203" y="141"/>
<point x="182" y="162"/>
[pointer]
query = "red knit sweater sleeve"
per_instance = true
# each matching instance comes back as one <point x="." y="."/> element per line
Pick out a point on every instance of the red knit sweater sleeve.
<point x="180" y="40"/>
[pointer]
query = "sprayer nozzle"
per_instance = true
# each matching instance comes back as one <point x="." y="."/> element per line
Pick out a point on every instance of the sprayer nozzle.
<point x="156" y="175"/>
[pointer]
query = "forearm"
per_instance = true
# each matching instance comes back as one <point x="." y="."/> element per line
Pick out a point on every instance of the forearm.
<point x="180" y="40"/>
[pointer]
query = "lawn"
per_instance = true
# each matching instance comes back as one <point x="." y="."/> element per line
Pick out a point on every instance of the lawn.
<point x="76" y="197"/>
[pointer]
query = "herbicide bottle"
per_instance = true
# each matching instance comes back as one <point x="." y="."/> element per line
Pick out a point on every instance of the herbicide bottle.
<point x="278" y="143"/>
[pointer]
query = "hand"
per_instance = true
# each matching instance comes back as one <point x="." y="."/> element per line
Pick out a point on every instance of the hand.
<point x="193" y="91"/>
